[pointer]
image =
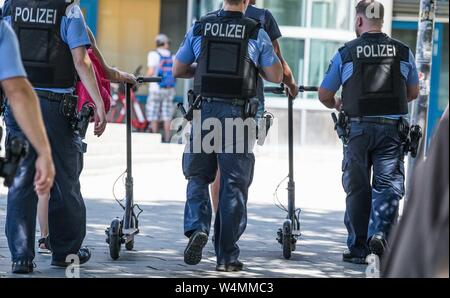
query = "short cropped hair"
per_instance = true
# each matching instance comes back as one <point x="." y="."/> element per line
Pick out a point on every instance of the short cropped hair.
<point x="372" y="10"/>
<point x="233" y="2"/>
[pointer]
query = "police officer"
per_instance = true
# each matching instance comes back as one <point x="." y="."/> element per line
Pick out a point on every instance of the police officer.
<point x="269" y="24"/>
<point x="224" y="52"/>
<point x="379" y="77"/>
<point x="25" y="106"/>
<point x="53" y="40"/>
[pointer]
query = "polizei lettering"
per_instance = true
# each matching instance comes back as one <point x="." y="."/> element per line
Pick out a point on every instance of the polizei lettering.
<point x="35" y="15"/>
<point x="225" y="30"/>
<point x="375" y="51"/>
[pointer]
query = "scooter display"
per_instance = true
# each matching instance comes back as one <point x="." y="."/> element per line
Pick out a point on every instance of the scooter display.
<point x="123" y="231"/>
<point x="289" y="234"/>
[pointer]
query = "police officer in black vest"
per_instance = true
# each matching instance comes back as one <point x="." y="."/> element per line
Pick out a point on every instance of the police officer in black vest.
<point x="53" y="40"/>
<point x="379" y="77"/>
<point x="25" y="106"/>
<point x="224" y="52"/>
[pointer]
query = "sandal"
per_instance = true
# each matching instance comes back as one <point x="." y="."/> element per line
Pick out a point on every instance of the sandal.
<point x="44" y="246"/>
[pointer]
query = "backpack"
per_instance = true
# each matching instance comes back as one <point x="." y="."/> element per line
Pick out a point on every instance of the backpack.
<point x="165" y="71"/>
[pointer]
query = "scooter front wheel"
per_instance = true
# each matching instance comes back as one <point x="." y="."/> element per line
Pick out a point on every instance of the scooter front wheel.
<point x="287" y="239"/>
<point x="115" y="239"/>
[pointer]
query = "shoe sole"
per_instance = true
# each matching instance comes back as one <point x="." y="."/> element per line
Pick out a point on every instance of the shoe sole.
<point x="65" y="265"/>
<point x="358" y="261"/>
<point x="194" y="252"/>
<point x="229" y="269"/>
<point x="22" y="272"/>
<point x="376" y="247"/>
<point x="44" y="251"/>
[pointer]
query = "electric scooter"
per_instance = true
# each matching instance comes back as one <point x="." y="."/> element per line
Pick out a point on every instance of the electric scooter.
<point x="123" y="231"/>
<point x="290" y="232"/>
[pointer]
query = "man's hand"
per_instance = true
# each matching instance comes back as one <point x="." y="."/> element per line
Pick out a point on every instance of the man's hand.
<point x="292" y="90"/>
<point x="100" y="121"/>
<point x="45" y="174"/>
<point x="125" y="77"/>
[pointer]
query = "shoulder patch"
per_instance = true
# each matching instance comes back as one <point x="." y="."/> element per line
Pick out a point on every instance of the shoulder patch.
<point x="198" y="28"/>
<point x="73" y="11"/>
<point x="346" y="56"/>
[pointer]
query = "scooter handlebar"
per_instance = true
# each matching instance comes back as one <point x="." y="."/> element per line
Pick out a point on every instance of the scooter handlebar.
<point x="143" y="80"/>
<point x="280" y="89"/>
<point x="308" y="89"/>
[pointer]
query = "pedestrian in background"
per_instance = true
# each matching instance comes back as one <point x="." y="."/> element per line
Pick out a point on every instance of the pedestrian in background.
<point x="160" y="106"/>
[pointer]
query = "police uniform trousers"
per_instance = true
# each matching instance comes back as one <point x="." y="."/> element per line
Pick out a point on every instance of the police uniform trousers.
<point x="236" y="170"/>
<point x="373" y="178"/>
<point x="67" y="212"/>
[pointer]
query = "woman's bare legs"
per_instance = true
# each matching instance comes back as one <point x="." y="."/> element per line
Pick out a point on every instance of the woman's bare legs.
<point x="215" y="191"/>
<point x="43" y="217"/>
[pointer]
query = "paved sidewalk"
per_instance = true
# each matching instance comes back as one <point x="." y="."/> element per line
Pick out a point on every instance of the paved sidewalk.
<point x="160" y="191"/>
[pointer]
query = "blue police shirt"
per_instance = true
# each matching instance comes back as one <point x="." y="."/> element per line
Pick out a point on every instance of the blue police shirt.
<point x="270" y="25"/>
<point x="266" y="19"/>
<point x="339" y="73"/>
<point x="10" y="60"/>
<point x="73" y="33"/>
<point x="260" y="51"/>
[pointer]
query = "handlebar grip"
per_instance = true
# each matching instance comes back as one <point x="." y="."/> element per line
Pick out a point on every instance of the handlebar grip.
<point x="143" y="80"/>
<point x="309" y="89"/>
<point x="275" y="90"/>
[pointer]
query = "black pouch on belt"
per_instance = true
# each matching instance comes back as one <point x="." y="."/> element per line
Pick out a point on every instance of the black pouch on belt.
<point x="69" y="106"/>
<point x="251" y="108"/>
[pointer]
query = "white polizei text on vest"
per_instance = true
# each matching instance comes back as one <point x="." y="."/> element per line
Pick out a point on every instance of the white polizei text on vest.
<point x="225" y="30"/>
<point x="374" y="51"/>
<point x="35" y="15"/>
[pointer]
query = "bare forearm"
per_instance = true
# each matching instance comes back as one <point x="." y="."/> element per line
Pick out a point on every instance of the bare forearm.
<point x="112" y="74"/>
<point x="27" y="112"/>
<point x="288" y="77"/>
<point x="184" y="71"/>
<point x="329" y="102"/>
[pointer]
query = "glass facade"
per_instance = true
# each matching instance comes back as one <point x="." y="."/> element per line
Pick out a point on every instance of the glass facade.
<point x="287" y="12"/>
<point x="331" y="14"/>
<point x="309" y="56"/>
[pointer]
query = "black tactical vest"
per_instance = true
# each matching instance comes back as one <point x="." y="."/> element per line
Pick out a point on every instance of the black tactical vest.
<point x="377" y="86"/>
<point x="224" y="68"/>
<point x="47" y="59"/>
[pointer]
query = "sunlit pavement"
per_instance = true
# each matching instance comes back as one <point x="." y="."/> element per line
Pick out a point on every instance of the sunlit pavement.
<point x="160" y="191"/>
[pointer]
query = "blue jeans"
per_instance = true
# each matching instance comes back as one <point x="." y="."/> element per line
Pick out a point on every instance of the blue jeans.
<point x="67" y="212"/>
<point x="236" y="177"/>
<point x="373" y="150"/>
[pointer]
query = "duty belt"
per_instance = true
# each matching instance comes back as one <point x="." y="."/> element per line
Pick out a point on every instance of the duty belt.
<point x="234" y="102"/>
<point x="376" y="120"/>
<point x="53" y="96"/>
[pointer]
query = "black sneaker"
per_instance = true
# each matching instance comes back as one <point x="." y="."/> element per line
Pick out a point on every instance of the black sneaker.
<point x="232" y="267"/>
<point x="194" y="250"/>
<point x="84" y="255"/>
<point x="378" y="244"/>
<point x="349" y="257"/>
<point x="22" y="267"/>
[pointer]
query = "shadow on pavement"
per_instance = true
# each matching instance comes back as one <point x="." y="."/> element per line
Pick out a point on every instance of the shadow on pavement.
<point x="160" y="245"/>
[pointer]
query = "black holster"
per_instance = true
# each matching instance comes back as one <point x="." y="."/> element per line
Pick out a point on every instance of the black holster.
<point x="16" y="151"/>
<point x="410" y="136"/>
<point x="341" y="126"/>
